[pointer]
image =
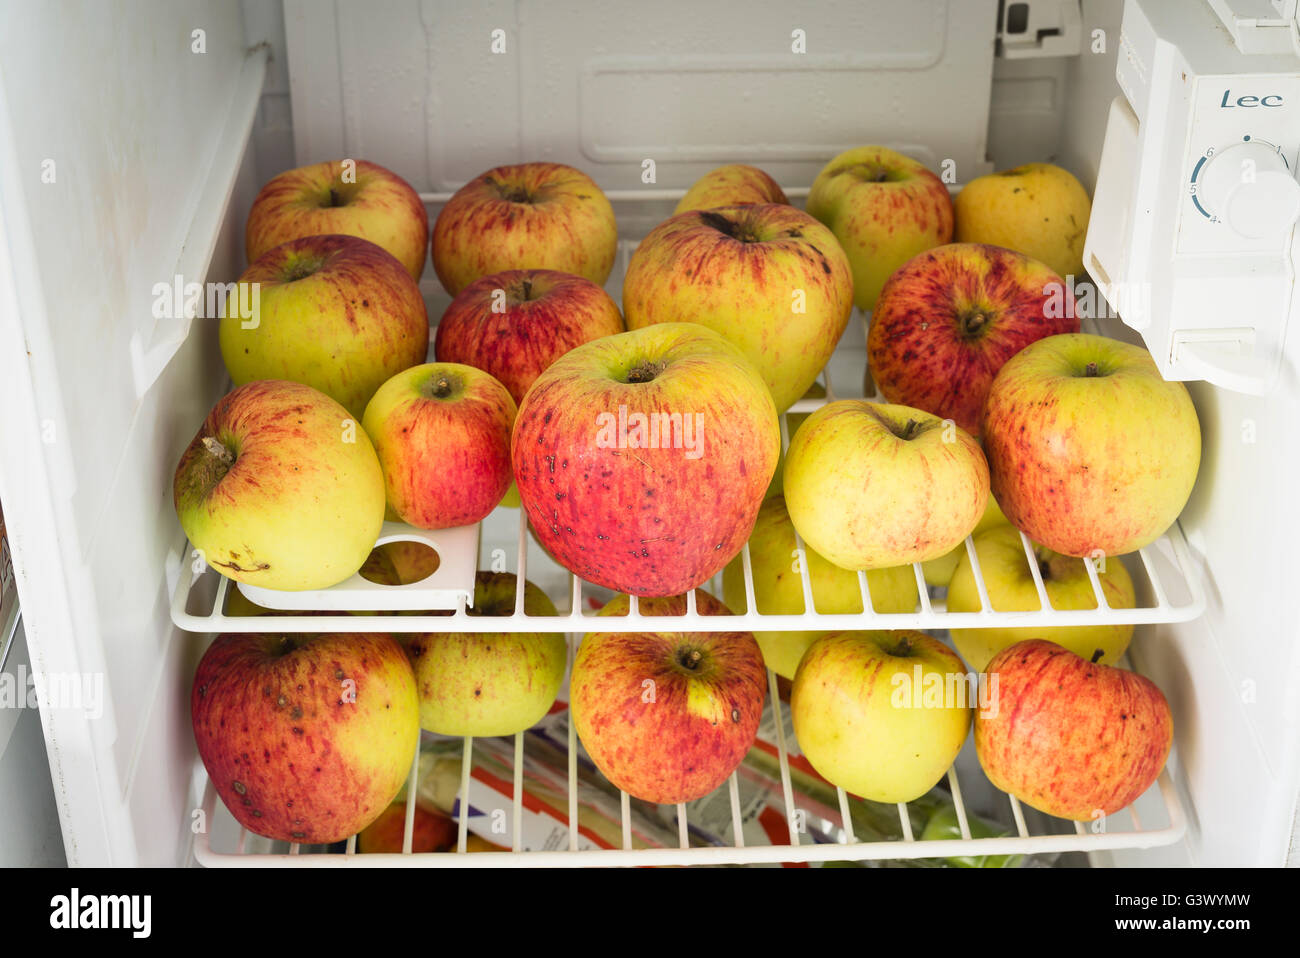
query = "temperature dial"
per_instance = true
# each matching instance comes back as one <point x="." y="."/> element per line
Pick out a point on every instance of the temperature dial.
<point x="1249" y="187"/>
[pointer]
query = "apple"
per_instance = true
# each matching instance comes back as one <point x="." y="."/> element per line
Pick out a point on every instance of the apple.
<point x="949" y="318"/>
<point x="667" y="716"/>
<point x="1037" y="209"/>
<point x="884" y="208"/>
<point x="1090" y="451"/>
<point x="432" y="831"/>
<point x="1010" y="585"/>
<point x="306" y="737"/>
<point x="770" y="278"/>
<point x="488" y="683"/>
<point x="279" y="488"/>
<point x="778" y="586"/>
<point x="349" y="197"/>
<point x="516" y="323"/>
<point x="442" y="433"/>
<point x="871" y="485"/>
<point x="335" y="312"/>
<point x="732" y="185"/>
<point x="881" y="714"/>
<point x="1069" y="737"/>
<point x="938" y="572"/>
<point x="642" y="458"/>
<point x="526" y="216"/>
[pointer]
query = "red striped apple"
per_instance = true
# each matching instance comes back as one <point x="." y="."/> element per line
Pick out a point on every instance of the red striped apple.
<point x="667" y="716"/>
<point x="442" y="433"/>
<point x="349" y="197"/>
<point x="871" y="485"/>
<point x="1068" y="737"/>
<point x="1090" y="451"/>
<point x="306" y="737"/>
<point x="516" y="323"/>
<point x="279" y="488"/>
<point x="335" y="312"/>
<point x="732" y="185"/>
<point x="949" y="318"/>
<point x="642" y="458"/>
<point x="884" y="208"/>
<point x="526" y="216"/>
<point x="770" y="278"/>
<point x="881" y="714"/>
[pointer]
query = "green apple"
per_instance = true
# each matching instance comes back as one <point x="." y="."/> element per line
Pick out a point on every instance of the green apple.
<point x="1010" y="584"/>
<point x="778" y="586"/>
<point x="490" y="683"/>
<point x="938" y="572"/>
<point x="884" y="208"/>
<point x="871" y="486"/>
<point x="867" y="715"/>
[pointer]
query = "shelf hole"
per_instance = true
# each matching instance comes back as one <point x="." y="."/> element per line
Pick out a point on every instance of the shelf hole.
<point x="400" y="563"/>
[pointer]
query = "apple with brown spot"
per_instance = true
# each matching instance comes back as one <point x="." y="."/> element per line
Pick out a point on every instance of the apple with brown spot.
<point x="442" y="434"/>
<point x="525" y="216"/>
<point x="769" y="278"/>
<point x="736" y="184"/>
<point x="667" y="716"/>
<point x="642" y="458"/>
<point x="1068" y="737"/>
<point x="351" y="197"/>
<point x="335" y="312"/>
<point x="516" y="323"/>
<point x="306" y="737"/>
<point x="949" y="318"/>
<point x="1091" y="451"/>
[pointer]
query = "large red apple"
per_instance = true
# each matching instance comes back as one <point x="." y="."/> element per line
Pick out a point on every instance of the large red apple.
<point x="335" y="312"/>
<point x="949" y="318"/>
<point x="280" y="489"/>
<point x="667" y="716"/>
<point x="306" y="738"/>
<point x="351" y="197"/>
<point x="442" y="433"/>
<point x="1090" y="450"/>
<point x="526" y="216"/>
<point x="1068" y="737"/>
<point x="768" y="277"/>
<point x="516" y="323"/>
<point x="642" y="458"/>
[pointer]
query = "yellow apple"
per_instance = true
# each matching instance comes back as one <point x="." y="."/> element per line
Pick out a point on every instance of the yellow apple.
<point x="938" y="572"/>
<point x="1010" y="584"/>
<point x="1037" y="209"/>
<point x="733" y="185"/>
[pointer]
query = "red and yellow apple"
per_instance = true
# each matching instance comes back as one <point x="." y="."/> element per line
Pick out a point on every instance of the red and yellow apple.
<point x="1011" y="588"/>
<point x="938" y="572"/>
<point x="868" y="717"/>
<point x="335" y="312"/>
<point x="778" y="586"/>
<point x="1037" y="209"/>
<point x="306" y="737"/>
<point x="642" y="458"/>
<point x="667" y="716"/>
<point x="733" y="185"/>
<point x="1069" y="737"/>
<point x="279" y="488"/>
<point x="884" y="208"/>
<point x="871" y="485"/>
<point x="526" y="216"/>
<point x="770" y="278"/>
<point x="348" y="197"/>
<point x="516" y="323"/>
<point x="1090" y="450"/>
<point x="490" y="683"/>
<point x="431" y="831"/>
<point x="442" y="433"/>
<point x="948" y="319"/>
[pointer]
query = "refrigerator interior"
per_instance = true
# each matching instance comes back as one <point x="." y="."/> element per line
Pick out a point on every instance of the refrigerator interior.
<point x="133" y="156"/>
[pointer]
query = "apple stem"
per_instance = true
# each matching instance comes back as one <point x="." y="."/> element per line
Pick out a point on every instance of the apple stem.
<point x="691" y="659"/>
<point x="442" y="388"/>
<point x="1096" y="656"/>
<point x="528" y="289"/>
<point x="910" y="429"/>
<point x="334" y="197"/>
<point x="1090" y="369"/>
<point x="214" y="447"/>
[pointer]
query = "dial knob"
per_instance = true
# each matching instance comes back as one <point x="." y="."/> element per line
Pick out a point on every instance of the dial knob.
<point x="1249" y="187"/>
